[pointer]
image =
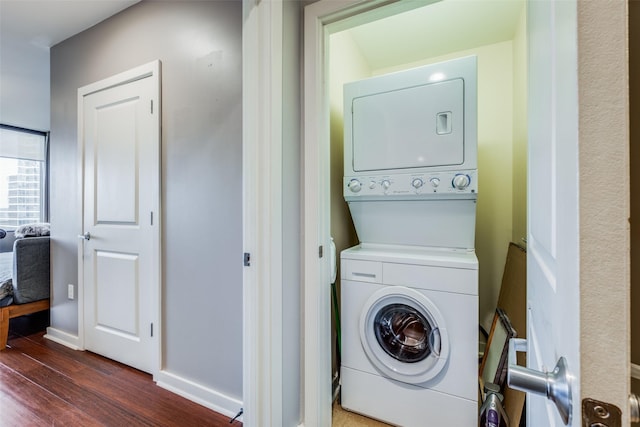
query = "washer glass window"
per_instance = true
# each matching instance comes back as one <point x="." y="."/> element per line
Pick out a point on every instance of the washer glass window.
<point x="403" y="333"/>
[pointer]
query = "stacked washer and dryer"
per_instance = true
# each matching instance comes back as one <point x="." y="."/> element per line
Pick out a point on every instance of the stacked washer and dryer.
<point x="410" y="288"/>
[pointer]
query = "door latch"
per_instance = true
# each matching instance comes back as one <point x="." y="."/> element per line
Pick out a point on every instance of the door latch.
<point x="600" y="414"/>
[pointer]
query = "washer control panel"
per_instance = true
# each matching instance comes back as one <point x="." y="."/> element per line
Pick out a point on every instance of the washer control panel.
<point x="426" y="184"/>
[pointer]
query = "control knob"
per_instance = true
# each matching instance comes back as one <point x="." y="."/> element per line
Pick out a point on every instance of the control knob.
<point x="461" y="181"/>
<point x="417" y="183"/>
<point x="435" y="182"/>
<point x="355" y="186"/>
<point x="385" y="184"/>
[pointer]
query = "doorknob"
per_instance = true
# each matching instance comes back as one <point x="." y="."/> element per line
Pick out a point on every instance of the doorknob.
<point x="555" y="385"/>
<point x="85" y="236"/>
<point x="634" y="408"/>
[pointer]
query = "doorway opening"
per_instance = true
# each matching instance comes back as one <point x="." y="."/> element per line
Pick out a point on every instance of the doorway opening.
<point x="360" y="44"/>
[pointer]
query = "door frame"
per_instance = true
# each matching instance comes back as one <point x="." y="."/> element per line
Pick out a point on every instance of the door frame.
<point x="150" y="70"/>
<point x="320" y="20"/>
<point x="262" y="103"/>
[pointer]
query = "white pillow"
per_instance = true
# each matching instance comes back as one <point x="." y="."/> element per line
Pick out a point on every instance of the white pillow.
<point x="32" y="230"/>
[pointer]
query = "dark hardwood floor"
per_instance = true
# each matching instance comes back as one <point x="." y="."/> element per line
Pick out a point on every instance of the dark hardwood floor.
<point x="46" y="384"/>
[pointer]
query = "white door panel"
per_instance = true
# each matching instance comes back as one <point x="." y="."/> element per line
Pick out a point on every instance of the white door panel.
<point x="121" y="195"/>
<point x="116" y="150"/>
<point x="117" y="284"/>
<point x="553" y="328"/>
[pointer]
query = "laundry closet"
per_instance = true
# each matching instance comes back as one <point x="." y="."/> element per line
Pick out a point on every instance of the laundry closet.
<point x="494" y="34"/>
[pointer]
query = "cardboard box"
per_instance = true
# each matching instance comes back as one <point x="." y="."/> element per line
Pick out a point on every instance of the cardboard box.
<point x="513" y="300"/>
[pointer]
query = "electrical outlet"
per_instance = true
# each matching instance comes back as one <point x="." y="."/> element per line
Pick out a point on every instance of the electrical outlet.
<point x="70" y="291"/>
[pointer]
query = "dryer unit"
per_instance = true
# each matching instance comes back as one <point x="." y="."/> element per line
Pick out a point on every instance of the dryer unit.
<point x="409" y="328"/>
<point x="411" y="138"/>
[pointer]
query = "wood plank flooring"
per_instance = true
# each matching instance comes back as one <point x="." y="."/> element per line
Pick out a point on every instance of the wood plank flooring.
<point x="46" y="384"/>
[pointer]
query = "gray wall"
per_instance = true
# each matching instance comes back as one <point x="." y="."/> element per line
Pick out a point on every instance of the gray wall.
<point x="291" y="209"/>
<point x="200" y="46"/>
<point x="24" y="83"/>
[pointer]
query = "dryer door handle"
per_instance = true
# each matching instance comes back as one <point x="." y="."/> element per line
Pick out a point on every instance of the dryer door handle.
<point x="367" y="275"/>
<point x="435" y="342"/>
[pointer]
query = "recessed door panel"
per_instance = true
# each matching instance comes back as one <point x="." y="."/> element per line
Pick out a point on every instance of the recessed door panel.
<point x="414" y="127"/>
<point x="118" y="293"/>
<point x="116" y="162"/>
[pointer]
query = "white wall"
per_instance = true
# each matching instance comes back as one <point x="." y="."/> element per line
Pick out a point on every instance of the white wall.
<point x="199" y="45"/>
<point x="24" y="84"/>
<point x="520" y="131"/>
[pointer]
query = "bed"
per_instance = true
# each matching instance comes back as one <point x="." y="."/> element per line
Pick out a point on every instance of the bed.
<point x="24" y="281"/>
<point x="6" y="291"/>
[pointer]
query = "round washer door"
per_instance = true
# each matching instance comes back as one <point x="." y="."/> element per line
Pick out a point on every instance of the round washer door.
<point x="404" y="335"/>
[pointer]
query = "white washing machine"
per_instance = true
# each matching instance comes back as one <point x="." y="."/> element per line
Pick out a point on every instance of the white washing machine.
<point x="409" y="333"/>
<point x="410" y="290"/>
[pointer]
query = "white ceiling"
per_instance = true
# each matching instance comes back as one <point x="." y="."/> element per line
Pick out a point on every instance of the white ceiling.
<point x="44" y="23"/>
<point x="429" y="31"/>
<point x="28" y="28"/>
<point x="437" y="29"/>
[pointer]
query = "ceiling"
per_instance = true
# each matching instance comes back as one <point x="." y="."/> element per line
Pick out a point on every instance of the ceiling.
<point x="437" y="29"/>
<point x="425" y="32"/>
<point x="44" y="23"/>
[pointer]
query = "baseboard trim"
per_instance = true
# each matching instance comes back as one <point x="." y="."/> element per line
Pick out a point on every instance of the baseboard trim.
<point x="64" y="338"/>
<point x="200" y="394"/>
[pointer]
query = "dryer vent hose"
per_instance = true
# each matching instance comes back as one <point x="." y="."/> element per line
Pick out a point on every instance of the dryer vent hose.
<point x="334" y="295"/>
<point x="336" y="312"/>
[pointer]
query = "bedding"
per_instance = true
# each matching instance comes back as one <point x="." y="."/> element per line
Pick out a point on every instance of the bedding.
<point x="37" y="229"/>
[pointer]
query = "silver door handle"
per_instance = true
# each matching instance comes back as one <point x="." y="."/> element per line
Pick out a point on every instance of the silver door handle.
<point x="634" y="408"/>
<point x="85" y="236"/>
<point x="555" y="385"/>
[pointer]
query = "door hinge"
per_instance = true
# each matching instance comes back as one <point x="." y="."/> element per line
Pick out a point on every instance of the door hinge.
<point x="320" y="251"/>
<point x="247" y="259"/>
<point x="152" y="330"/>
<point x="601" y="414"/>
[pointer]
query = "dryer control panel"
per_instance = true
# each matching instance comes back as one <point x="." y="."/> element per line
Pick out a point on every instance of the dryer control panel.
<point x="438" y="185"/>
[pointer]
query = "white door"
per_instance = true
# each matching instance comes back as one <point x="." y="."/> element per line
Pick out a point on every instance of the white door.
<point x="120" y="263"/>
<point x="553" y="254"/>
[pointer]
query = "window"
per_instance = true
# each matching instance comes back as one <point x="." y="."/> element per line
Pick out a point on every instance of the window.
<point x="23" y="177"/>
